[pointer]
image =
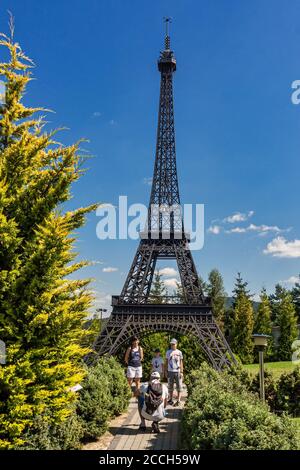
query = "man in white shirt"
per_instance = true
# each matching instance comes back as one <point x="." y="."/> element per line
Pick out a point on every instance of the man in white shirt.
<point x="174" y="366"/>
<point x="152" y="401"/>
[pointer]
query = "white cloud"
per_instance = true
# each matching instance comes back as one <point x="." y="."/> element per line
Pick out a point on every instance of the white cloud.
<point x="110" y="269"/>
<point x="282" y="248"/>
<point x="260" y="229"/>
<point x="96" y="114"/>
<point x="112" y="122"/>
<point x="215" y="229"/>
<point x="172" y="282"/>
<point x="265" y="228"/>
<point x="237" y="230"/>
<point x="291" y="280"/>
<point x="238" y="217"/>
<point x="168" y="272"/>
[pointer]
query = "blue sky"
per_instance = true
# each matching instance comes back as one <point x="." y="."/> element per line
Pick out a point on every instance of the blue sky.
<point x="237" y="131"/>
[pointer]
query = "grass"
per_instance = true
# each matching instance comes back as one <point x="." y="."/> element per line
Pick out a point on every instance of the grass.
<point x="277" y="368"/>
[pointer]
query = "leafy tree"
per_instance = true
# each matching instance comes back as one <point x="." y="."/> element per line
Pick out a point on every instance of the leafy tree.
<point x="242" y="322"/>
<point x="41" y="311"/>
<point x="286" y="320"/>
<point x="193" y="354"/>
<point x="216" y="291"/>
<point x="263" y="323"/>
<point x="158" y="292"/>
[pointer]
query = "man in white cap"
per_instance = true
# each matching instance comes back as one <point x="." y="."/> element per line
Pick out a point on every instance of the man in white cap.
<point x="174" y="366"/>
<point x="152" y="401"/>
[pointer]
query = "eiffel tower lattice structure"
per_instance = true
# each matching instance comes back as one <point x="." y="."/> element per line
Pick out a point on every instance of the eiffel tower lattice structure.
<point x="164" y="238"/>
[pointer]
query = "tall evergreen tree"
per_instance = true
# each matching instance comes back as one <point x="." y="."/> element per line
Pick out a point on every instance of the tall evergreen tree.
<point x="41" y="310"/>
<point x="263" y="323"/>
<point x="158" y="291"/>
<point x="296" y="298"/>
<point x="242" y="322"/>
<point x="275" y="300"/>
<point x="287" y="321"/>
<point x="215" y="290"/>
<point x="240" y="287"/>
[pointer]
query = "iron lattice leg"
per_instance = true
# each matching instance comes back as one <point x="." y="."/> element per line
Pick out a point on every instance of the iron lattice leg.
<point x="188" y="274"/>
<point x="138" y="283"/>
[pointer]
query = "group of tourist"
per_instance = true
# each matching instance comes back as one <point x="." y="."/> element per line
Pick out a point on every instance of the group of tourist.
<point x="153" y="396"/>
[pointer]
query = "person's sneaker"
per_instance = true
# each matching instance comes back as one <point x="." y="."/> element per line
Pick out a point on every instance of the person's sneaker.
<point x="142" y="428"/>
<point x="178" y="403"/>
<point x="170" y="402"/>
<point x="155" y="427"/>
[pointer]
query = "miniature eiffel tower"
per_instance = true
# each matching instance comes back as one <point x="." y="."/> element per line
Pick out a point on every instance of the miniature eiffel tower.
<point x="164" y="238"/>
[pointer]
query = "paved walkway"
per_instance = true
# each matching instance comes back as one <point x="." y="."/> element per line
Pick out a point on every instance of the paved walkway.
<point x="128" y="436"/>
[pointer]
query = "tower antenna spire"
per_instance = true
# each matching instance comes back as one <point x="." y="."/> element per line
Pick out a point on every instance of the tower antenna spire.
<point x="167" y="21"/>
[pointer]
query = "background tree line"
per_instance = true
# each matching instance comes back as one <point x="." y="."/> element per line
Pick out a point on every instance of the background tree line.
<point x="239" y="316"/>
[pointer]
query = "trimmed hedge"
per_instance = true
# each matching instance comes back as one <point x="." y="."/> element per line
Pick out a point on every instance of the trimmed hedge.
<point x="221" y="413"/>
<point x="288" y="392"/>
<point x="105" y="394"/>
<point x="64" y="436"/>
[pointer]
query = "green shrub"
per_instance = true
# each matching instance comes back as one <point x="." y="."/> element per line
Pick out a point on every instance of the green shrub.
<point x="288" y="393"/>
<point x="119" y="391"/>
<point x="105" y="393"/>
<point x="63" y="436"/>
<point x="221" y="413"/>
<point x="271" y="387"/>
<point x="242" y="375"/>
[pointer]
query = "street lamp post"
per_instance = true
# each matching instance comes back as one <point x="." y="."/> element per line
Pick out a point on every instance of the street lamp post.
<point x="261" y="341"/>
<point x="101" y="311"/>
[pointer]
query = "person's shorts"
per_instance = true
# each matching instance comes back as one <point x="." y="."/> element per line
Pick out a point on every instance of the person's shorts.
<point x="134" y="372"/>
<point x="174" y="377"/>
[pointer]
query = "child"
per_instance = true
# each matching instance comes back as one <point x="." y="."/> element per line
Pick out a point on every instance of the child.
<point x="158" y="363"/>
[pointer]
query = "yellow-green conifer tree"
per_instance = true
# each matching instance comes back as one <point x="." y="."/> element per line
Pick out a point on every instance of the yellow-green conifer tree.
<point x="41" y="309"/>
